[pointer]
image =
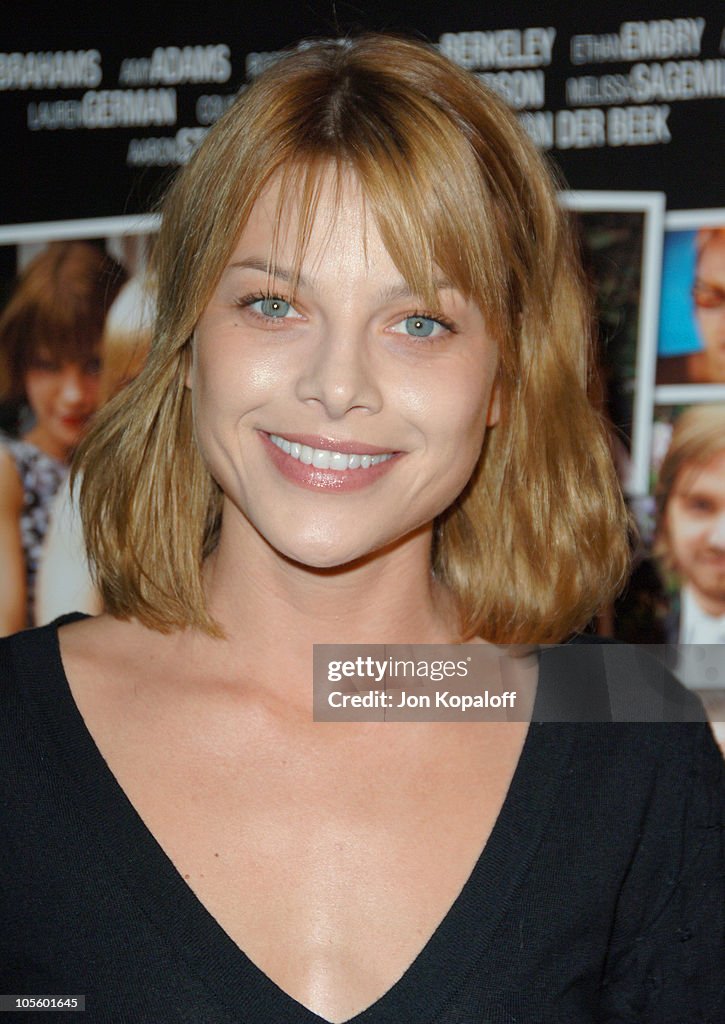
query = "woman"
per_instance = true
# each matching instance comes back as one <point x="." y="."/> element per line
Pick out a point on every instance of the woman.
<point x="63" y="581"/>
<point x="50" y="335"/>
<point x="363" y="420"/>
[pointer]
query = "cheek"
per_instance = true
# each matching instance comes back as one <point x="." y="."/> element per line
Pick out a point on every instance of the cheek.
<point x="710" y="320"/>
<point x="686" y="536"/>
<point x="464" y="416"/>
<point x="230" y="371"/>
<point x="457" y="403"/>
<point x="454" y="432"/>
<point x="229" y="383"/>
<point x="90" y="390"/>
<point x="38" y="388"/>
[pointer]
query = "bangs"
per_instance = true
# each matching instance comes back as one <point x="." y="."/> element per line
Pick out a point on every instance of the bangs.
<point x="72" y="339"/>
<point x="429" y="152"/>
<point x="53" y="338"/>
<point x="427" y="203"/>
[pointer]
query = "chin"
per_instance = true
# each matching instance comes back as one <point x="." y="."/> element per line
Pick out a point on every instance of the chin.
<point x="325" y="549"/>
<point x="339" y="555"/>
<point x="323" y="556"/>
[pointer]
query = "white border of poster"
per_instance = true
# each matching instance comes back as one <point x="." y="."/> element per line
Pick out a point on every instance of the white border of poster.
<point x="66" y="230"/>
<point x="652" y="205"/>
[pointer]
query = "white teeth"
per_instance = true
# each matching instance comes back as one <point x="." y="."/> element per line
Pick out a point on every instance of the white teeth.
<point x="322" y="458"/>
<point x="338" y="461"/>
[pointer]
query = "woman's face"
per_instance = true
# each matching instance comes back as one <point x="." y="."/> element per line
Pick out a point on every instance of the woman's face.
<point x="63" y="396"/>
<point x="344" y="418"/>
<point x="709" y="295"/>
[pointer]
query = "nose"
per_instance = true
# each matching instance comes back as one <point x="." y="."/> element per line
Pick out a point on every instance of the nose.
<point x="73" y="386"/>
<point x="339" y="374"/>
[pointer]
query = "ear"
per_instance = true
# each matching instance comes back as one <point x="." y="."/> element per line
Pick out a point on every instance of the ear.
<point x="494" y="406"/>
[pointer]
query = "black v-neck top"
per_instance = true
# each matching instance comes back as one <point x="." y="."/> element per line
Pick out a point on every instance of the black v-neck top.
<point x="599" y="896"/>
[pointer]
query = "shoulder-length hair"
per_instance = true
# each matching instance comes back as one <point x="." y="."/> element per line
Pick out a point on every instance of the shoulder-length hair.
<point x="537" y="542"/>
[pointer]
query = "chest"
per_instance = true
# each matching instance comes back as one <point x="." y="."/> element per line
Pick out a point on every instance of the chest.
<point x="330" y="857"/>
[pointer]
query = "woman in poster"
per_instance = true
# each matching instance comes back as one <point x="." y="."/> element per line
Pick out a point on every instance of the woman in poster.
<point x="364" y="419"/>
<point x="63" y="581"/>
<point x="50" y="335"/>
<point x="705" y="365"/>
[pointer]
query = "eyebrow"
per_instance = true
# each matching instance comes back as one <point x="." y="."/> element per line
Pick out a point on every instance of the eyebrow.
<point x="699" y="492"/>
<point x="389" y="294"/>
<point x="255" y="263"/>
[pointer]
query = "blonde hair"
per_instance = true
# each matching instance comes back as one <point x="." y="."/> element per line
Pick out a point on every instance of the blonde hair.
<point x="698" y="436"/>
<point x="538" y="539"/>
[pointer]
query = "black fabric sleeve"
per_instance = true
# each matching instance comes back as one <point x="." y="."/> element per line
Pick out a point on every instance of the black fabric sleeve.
<point x="667" y="957"/>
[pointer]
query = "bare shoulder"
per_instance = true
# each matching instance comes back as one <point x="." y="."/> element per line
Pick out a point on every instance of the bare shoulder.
<point x="107" y="653"/>
<point x="115" y="660"/>
<point x="11" y="486"/>
<point x="90" y="636"/>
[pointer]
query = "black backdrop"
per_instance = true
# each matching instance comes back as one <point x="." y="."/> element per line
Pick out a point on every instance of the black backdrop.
<point x="100" y="103"/>
<point x="57" y="173"/>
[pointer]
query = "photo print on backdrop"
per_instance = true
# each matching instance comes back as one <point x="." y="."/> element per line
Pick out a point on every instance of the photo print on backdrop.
<point x="75" y="312"/>
<point x="691" y="341"/>
<point x="620" y="238"/>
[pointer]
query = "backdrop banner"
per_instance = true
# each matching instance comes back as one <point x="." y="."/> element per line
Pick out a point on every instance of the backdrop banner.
<point x="100" y="107"/>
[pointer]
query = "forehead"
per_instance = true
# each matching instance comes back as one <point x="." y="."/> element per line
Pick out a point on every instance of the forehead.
<point x="711" y="264"/>
<point x="702" y="478"/>
<point x="301" y="219"/>
<point x="327" y="217"/>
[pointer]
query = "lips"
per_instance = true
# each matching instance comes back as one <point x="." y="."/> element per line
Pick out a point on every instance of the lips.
<point x="74" y="422"/>
<point x="327" y="464"/>
<point x="329" y="458"/>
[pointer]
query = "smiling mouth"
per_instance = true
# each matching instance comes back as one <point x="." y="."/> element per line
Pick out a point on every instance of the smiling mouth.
<point x="322" y="458"/>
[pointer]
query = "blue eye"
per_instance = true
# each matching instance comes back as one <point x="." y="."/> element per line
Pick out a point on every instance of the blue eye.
<point x="420" y="327"/>
<point x="276" y="308"/>
<point x="266" y="308"/>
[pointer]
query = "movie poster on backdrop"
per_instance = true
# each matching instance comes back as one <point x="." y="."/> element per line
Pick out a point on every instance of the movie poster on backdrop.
<point x="627" y="101"/>
<point x="676" y="594"/>
<point x="620" y="242"/>
<point x="680" y="368"/>
<point x="691" y="342"/>
<point x="75" y="325"/>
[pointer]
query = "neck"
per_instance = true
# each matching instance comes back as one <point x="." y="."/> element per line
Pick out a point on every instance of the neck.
<point x="710" y="605"/>
<point x="273" y="610"/>
<point x="39" y="438"/>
